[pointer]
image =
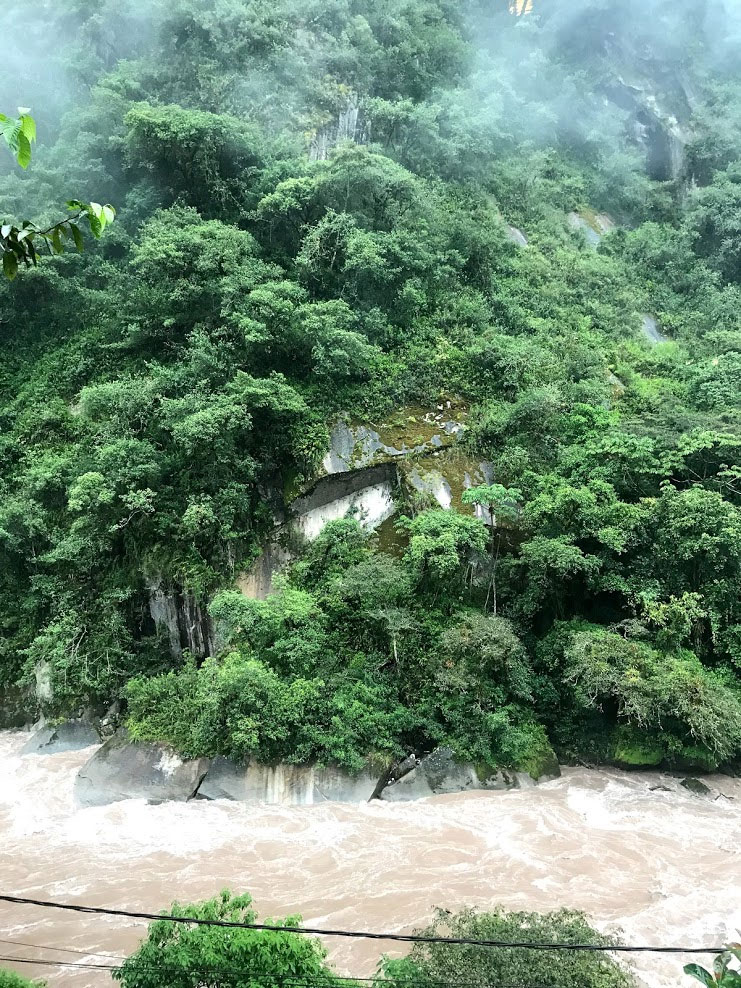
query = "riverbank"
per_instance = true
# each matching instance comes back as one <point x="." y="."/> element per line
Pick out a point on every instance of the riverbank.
<point x="662" y="865"/>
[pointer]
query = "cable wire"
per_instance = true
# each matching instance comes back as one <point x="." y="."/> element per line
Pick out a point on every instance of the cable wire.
<point x="355" y="934"/>
<point x="63" y="950"/>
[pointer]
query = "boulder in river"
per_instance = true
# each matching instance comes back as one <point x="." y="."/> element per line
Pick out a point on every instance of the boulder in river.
<point x="70" y="735"/>
<point x="286" y="785"/>
<point x="441" y="772"/>
<point x="126" y="769"/>
<point x="696" y="787"/>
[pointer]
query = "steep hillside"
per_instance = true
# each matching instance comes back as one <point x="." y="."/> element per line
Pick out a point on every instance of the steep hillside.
<point x="419" y="320"/>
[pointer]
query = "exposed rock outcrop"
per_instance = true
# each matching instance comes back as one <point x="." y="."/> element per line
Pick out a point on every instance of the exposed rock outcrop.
<point x="593" y="226"/>
<point x="287" y="785"/>
<point x="367" y="472"/>
<point x="660" y="126"/>
<point x="651" y="331"/>
<point x="410" y="431"/>
<point x="70" y="735"/>
<point x="351" y="124"/>
<point x="441" y="772"/>
<point x="365" y="492"/>
<point x="516" y="236"/>
<point x="126" y="769"/>
<point x="177" y="614"/>
<point x="257" y="582"/>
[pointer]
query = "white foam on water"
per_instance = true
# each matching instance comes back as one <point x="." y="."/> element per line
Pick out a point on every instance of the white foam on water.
<point x="660" y="866"/>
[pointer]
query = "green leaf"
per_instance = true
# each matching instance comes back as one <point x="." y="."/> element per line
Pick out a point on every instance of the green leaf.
<point x="96" y="227"/>
<point x="24" y="150"/>
<point x="23" y="111"/>
<point x="23" y="157"/>
<point x="720" y="964"/>
<point x="56" y="241"/>
<point x="77" y="237"/>
<point x="5" y="230"/>
<point x="700" y="974"/>
<point x="11" y="129"/>
<point x="109" y="213"/>
<point x="28" y="126"/>
<point x="10" y="265"/>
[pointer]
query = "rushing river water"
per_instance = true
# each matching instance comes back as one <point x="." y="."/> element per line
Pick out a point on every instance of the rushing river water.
<point x="659" y="866"/>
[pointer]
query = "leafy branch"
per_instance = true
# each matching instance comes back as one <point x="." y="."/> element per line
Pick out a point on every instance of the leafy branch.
<point x="19" y="133"/>
<point x="723" y="975"/>
<point x="19" y="244"/>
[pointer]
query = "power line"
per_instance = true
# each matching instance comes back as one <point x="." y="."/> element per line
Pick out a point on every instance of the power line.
<point x="63" y="950"/>
<point x="355" y="934"/>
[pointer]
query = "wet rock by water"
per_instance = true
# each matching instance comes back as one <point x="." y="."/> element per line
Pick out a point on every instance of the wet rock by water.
<point x="126" y="769"/>
<point x="441" y="772"/>
<point x="71" y="735"/>
<point x="285" y="785"/>
<point x="696" y="786"/>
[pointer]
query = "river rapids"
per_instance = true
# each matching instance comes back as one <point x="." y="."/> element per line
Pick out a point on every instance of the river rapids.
<point x="656" y="866"/>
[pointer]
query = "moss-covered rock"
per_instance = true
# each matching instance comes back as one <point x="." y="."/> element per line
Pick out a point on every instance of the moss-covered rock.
<point x="540" y="764"/>
<point x="634" y="750"/>
<point x="694" y="758"/>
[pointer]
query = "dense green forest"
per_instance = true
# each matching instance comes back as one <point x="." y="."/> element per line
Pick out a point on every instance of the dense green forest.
<point x="315" y="202"/>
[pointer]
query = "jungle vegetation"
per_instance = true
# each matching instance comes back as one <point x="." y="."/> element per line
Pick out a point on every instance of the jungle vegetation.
<point x="160" y="392"/>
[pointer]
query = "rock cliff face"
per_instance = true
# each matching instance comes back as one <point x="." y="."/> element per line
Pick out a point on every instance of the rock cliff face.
<point x="257" y="582"/>
<point x="17" y="706"/>
<point x="351" y="124"/>
<point x="593" y="226"/>
<point x="366" y="492"/>
<point x="178" y="615"/>
<point x="367" y="472"/>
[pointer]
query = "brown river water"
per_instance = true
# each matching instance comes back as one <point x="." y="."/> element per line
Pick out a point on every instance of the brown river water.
<point x="656" y="866"/>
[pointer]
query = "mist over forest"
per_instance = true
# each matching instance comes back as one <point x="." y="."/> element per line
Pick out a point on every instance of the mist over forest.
<point x="495" y="248"/>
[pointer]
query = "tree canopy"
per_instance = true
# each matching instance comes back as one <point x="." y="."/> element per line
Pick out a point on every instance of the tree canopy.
<point x="342" y="211"/>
